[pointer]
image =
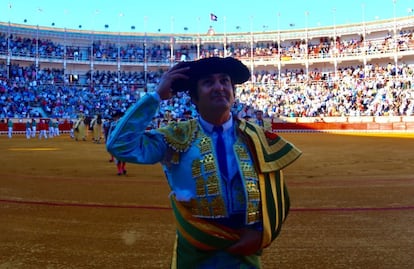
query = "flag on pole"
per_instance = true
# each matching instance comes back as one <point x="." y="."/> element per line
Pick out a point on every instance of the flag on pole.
<point x="213" y="17"/>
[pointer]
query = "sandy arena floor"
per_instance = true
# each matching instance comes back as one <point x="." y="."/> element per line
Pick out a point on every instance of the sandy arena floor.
<point x="62" y="205"/>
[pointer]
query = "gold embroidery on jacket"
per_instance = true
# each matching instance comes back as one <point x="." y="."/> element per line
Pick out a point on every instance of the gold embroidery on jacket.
<point x="213" y="185"/>
<point x="217" y="207"/>
<point x="205" y="145"/>
<point x="196" y="168"/>
<point x="251" y="182"/>
<point x="209" y="163"/>
<point x="200" y="187"/>
<point x="210" y="202"/>
<point x="179" y="137"/>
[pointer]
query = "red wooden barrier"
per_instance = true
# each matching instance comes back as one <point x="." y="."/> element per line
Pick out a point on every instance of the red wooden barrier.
<point x="320" y="126"/>
<point x="314" y="126"/>
<point x="21" y="126"/>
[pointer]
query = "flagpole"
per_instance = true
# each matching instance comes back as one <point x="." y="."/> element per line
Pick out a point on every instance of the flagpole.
<point x="198" y="38"/>
<point x="96" y="12"/>
<point x="394" y="2"/>
<point x="364" y="33"/>
<point x="37" y="40"/>
<point x="8" y="44"/>
<point x="225" y="38"/>
<point x="306" y="44"/>
<point x="172" y="42"/>
<point x="145" y="52"/>
<point x="335" y="47"/>
<point x="65" y="50"/>
<point x="251" y="47"/>
<point x="120" y="15"/>
<point x="279" y="63"/>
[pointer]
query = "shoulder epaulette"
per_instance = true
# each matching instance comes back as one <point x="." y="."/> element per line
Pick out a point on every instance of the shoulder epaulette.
<point x="180" y="135"/>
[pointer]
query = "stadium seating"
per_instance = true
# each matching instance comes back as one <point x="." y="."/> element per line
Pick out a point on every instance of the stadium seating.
<point x="351" y="71"/>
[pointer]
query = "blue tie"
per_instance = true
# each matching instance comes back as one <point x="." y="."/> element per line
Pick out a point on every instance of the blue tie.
<point x="221" y="150"/>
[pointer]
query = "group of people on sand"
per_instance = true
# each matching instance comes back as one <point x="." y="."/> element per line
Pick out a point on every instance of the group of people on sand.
<point x="99" y="127"/>
<point x="81" y="125"/>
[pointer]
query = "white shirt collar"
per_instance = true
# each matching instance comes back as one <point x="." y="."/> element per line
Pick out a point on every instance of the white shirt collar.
<point x="209" y="127"/>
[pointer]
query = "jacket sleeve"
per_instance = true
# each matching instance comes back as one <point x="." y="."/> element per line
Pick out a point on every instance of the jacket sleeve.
<point x="130" y="141"/>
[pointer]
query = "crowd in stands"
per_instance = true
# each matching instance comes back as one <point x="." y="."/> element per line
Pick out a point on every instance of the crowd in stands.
<point x="375" y="91"/>
<point x="370" y="90"/>
<point x="357" y="91"/>
<point x="155" y="52"/>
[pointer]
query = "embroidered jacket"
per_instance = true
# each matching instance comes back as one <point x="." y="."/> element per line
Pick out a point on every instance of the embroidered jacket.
<point x="188" y="157"/>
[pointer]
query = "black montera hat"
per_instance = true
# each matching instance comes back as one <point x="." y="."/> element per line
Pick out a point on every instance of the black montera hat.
<point x="237" y="71"/>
